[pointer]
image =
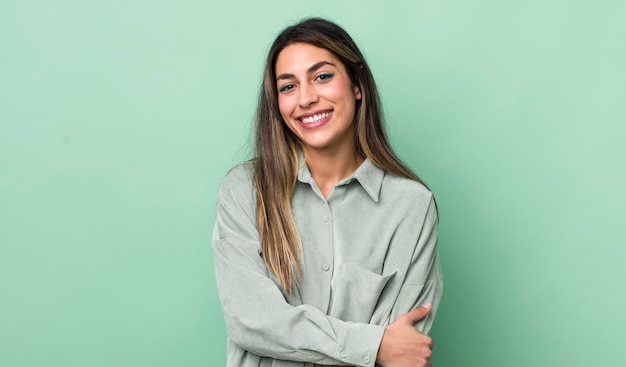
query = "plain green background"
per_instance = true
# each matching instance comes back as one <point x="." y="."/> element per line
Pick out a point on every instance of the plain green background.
<point x="118" y="120"/>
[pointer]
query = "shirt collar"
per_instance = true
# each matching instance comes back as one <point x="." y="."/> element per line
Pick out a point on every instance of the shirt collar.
<point x="369" y="176"/>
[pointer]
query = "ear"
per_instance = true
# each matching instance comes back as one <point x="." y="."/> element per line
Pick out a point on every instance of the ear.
<point x="357" y="92"/>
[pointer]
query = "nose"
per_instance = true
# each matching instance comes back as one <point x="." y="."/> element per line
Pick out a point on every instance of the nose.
<point x="307" y="96"/>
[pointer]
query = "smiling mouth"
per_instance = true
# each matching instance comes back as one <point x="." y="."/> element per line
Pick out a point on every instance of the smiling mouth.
<point x="315" y="118"/>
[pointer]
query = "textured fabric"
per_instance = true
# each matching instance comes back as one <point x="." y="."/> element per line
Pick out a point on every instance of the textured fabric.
<point x="369" y="256"/>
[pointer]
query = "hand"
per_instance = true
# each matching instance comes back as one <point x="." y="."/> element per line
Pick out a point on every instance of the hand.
<point x="403" y="345"/>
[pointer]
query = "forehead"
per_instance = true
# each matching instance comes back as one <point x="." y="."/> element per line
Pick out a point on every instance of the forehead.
<point x="299" y="57"/>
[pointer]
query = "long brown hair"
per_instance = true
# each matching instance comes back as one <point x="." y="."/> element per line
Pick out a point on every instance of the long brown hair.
<point x="276" y="147"/>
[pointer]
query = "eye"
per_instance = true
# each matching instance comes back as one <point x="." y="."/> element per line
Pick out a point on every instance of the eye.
<point x="286" y="88"/>
<point x="323" y="78"/>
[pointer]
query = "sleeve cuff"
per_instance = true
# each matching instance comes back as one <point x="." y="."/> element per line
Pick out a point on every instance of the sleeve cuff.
<point x="360" y="343"/>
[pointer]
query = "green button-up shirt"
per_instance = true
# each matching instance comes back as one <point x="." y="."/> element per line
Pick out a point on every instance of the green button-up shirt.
<point x="369" y="256"/>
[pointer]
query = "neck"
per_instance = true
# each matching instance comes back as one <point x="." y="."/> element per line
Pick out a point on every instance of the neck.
<point x="329" y="167"/>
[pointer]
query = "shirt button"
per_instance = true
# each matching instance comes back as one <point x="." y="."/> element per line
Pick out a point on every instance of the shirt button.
<point x="326" y="268"/>
<point x="366" y="359"/>
<point x="344" y="354"/>
<point x="325" y="218"/>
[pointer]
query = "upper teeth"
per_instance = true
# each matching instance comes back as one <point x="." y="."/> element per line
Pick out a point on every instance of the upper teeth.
<point x="314" y="118"/>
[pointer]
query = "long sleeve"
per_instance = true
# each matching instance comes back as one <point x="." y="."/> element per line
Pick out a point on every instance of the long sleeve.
<point x="258" y="318"/>
<point x="423" y="282"/>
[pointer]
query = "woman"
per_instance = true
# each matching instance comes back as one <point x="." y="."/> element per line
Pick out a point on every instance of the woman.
<point x="325" y="244"/>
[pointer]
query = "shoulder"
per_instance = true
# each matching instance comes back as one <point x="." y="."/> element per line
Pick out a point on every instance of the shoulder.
<point x="241" y="173"/>
<point x="405" y="188"/>
<point x="238" y="182"/>
<point x="410" y="198"/>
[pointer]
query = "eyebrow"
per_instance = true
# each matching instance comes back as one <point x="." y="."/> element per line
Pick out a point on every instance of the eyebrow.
<point x="310" y="70"/>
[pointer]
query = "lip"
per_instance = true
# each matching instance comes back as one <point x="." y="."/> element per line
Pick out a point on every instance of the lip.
<point x="316" y="124"/>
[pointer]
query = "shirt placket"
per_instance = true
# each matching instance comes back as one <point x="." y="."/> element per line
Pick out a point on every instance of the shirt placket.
<point x="326" y="244"/>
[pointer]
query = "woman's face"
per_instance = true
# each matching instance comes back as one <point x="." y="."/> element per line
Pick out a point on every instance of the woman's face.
<point x="316" y="97"/>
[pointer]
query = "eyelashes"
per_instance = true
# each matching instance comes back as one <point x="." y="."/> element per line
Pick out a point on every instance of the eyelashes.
<point x="322" y="78"/>
<point x="325" y="77"/>
<point x="286" y="88"/>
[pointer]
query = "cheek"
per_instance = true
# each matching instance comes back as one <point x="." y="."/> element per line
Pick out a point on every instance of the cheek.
<point x="284" y="106"/>
<point x="342" y="92"/>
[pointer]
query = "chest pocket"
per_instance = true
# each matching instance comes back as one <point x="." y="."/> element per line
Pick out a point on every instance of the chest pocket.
<point x="356" y="293"/>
